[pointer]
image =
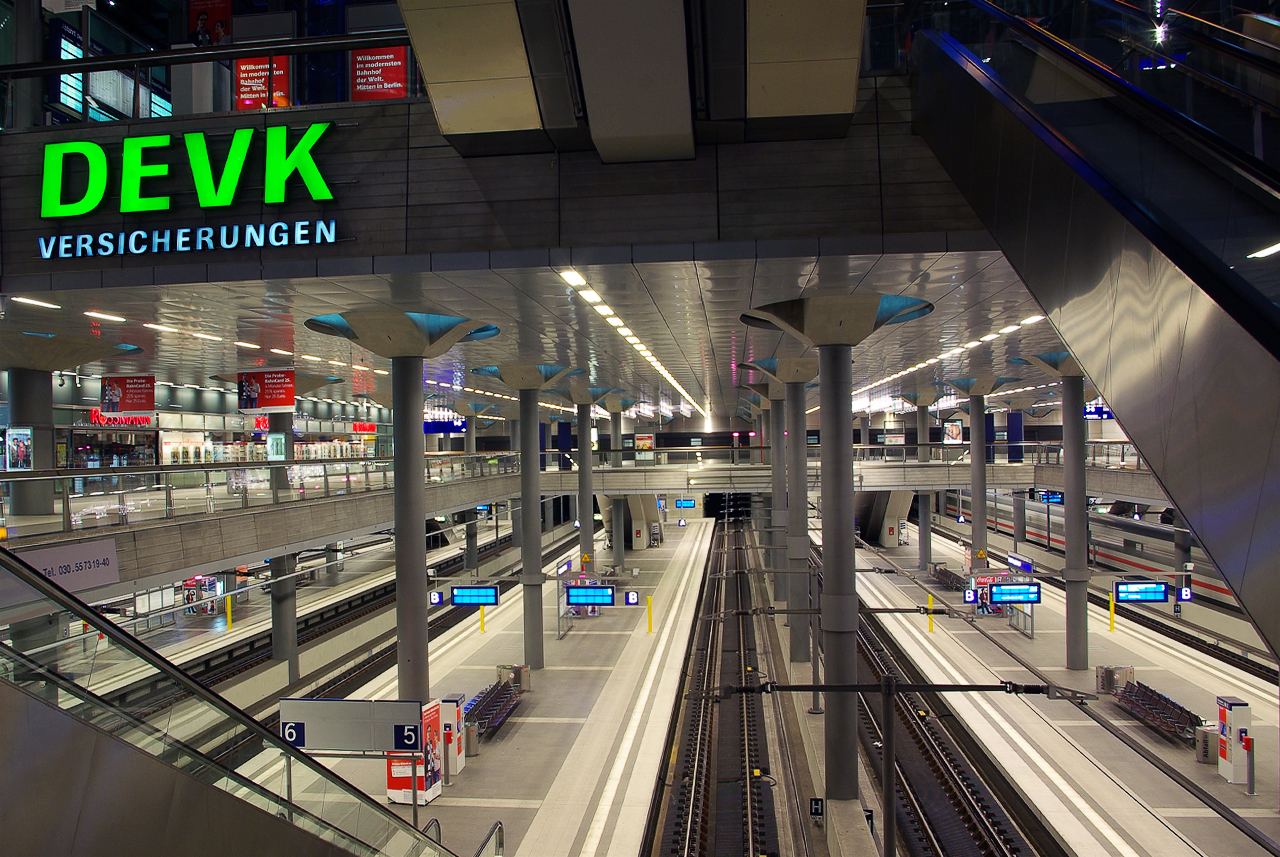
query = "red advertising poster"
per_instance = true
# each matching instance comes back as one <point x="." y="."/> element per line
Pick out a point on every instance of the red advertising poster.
<point x="133" y="395"/>
<point x="209" y="22"/>
<point x="266" y="392"/>
<point x="379" y="73"/>
<point x="255" y="76"/>
<point x="400" y="767"/>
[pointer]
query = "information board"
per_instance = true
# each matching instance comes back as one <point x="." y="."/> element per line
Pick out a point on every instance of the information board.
<point x="589" y="596"/>
<point x="474" y="596"/>
<point x="685" y="503"/>
<point x="1021" y="563"/>
<point x="352" y="724"/>
<point x="1141" y="591"/>
<point x="1015" y="593"/>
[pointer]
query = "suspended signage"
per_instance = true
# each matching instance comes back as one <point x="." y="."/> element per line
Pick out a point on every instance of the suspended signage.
<point x="474" y="596"/>
<point x="268" y="392"/>
<point x="444" y="426"/>
<point x="98" y="418"/>
<point x="364" y="428"/>
<point x="1141" y="591"/>
<point x="132" y="395"/>
<point x="589" y="596"/>
<point x="258" y="76"/>
<point x="1098" y="411"/>
<point x="1015" y="593"/>
<point x="1021" y="563"/>
<point x="379" y="73"/>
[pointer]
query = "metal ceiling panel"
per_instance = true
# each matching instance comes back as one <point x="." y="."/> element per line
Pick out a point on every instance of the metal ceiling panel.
<point x="472" y="57"/>
<point x="635" y="78"/>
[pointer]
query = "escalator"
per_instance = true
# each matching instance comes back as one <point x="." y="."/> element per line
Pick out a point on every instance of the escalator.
<point x="1122" y="181"/>
<point x="118" y="750"/>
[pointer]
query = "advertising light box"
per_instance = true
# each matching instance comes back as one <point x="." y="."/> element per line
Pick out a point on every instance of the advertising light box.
<point x="266" y="392"/>
<point x="1141" y="591"/>
<point x="474" y="596"/>
<point x="589" y="596"/>
<point x="1015" y="593"/>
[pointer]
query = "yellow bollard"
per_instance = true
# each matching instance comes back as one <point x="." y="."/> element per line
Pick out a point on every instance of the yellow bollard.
<point x="649" y="600"/>
<point x="930" y="614"/>
<point x="228" y="612"/>
<point x="1113" y="610"/>
<point x="482" y="620"/>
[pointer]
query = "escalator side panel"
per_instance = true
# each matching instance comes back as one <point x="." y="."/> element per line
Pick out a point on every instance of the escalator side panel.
<point x="1190" y="384"/>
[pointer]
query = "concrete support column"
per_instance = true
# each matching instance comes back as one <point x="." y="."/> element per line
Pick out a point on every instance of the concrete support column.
<point x="27" y="28"/>
<point x="408" y="455"/>
<point x="333" y="558"/>
<point x="924" y="508"/>
<point x="778" y="470"/>
<point x="513" y="504"/>
<point x="31" y="404"/>
<point x="1019" y="519"/>
<point x="586" y="492"/>
<point x="471" y="553"/>
<point x="1181" y="550"/>
<point x="531" y="526"/>
<point x="923" y="453"/>
<point x="865" y="432"/>
<point x="978" y="477"/>
<point x="839" y="582"/>
<point x="284" y="613"/>
<point x="797" y="521"/>
<point x="281" y="424"/>
<point x="1075" y="523"/>
<point x="615" y="438"/>
<point x="618" y="516"/>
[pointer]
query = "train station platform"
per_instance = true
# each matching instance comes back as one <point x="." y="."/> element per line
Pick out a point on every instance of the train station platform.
<point x="1106" y="782"/>
<point x="573" y="770"/>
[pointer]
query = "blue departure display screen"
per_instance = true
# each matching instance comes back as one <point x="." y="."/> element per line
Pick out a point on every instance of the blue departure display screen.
<point x="685" y="504"/>
<point x="1131" y="591"/>
<point x="589" y="596"/>
<point x="474" y="596"/>
<point x="1015" y="593"/>
<point x="1021" y="563"/>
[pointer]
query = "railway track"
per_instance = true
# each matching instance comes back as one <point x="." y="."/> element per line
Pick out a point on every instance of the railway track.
<point x="716" y="796"/>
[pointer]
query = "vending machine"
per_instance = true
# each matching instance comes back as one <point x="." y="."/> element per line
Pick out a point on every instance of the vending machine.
<point x="1234" y="720"/>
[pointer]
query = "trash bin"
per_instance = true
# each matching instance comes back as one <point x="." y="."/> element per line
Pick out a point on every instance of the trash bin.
<point x="1109" y="679"/>
<point x="471" y="739"/>
<point x="1206" y="745"/>
<point x="517" y="674"/>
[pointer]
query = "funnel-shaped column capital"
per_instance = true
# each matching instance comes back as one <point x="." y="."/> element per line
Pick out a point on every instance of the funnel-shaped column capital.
<point x="1059" y="364"/>
<point x="786" y="370"/>
<point x="579" y="391"/>
<point x="922" y="398"/>
<point x="984" y="386"/>
<point x="48" y="352"/>
<point x="766" y="392"/>
<point x="471" y="410"/>
<point x="527" y="376"/>
<point x="836" y="319"/>
<point x="617" y="402"/>
<point x="402" y="334"/>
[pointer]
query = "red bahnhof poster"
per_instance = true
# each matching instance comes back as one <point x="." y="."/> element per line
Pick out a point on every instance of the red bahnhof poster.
<point x="266" y="392"/>
<point x="132" y="395"/>
<point x="254" y="76"/>
<point x="379" y="73"/>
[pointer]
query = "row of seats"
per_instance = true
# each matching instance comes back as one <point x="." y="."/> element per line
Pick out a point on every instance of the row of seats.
<point x="1159" y="711"/>
<point x="490" y="708"/>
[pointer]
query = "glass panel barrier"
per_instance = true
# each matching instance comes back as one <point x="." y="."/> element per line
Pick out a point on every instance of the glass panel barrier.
<point x="62" y="651"/>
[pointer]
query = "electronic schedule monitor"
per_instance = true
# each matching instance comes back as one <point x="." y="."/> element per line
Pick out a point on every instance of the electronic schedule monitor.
<point x="685" y="504"/>
<point x="1141" y="591"/>
<point x="589" y="596"/>
<point x="475" y="596"/>
<point x="1015" y="593"/>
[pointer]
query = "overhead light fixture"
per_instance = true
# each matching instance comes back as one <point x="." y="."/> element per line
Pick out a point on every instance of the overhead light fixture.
<point x="974" y="344"/>
<point x="626" y="331"/>
<point x="310" y="357"/>
<point x="381" y="372"/>
<point x="208" y="336"/>
<point x="634" y="340"/>
<point x="34" y="302"/>
<point x="931" y="361"/>
<point x="591" y="296"/>
<point x="603" y="309"/>
<point x="249" y="345"/>
<point x="337" y="363"/>
<point x="1010" y="329"/>
<point x="359" y="368"/>
<point x="282" y="352"/>
<point x="1265" y="252"/>
<point x="162" y="328"/>
<point x="614" y="320"/>
<point x="573" y="278"/>
<point x="103" y="316"/>
<point x="1032" y="319"/>
<point x="990" y="336"/>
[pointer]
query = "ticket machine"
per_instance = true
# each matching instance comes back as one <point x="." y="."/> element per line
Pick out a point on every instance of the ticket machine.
<point x="1234" y="720"/>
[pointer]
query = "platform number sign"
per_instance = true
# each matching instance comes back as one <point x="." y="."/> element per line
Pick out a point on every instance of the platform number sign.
<point x="405" y="736"/>
<point x="294" y="733"/>
<point x="631" y="599"/>
<point x="817" y="807"/>
<point x="436" y="597"/>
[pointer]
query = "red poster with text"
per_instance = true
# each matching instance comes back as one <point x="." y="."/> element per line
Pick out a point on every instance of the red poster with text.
<point x="255" y="76"/>
<point x="133" y="395"/>
<point x="379" y="73"/>
<point x="265" y="392"/>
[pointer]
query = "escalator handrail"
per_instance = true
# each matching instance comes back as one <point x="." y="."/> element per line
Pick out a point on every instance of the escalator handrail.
<point x="20" y="569"/>
<point x="1201" y="22"/>
<point x="1238" y="298"/>
<point x="1265" y="179"/>
<point x="1222" y="46"/>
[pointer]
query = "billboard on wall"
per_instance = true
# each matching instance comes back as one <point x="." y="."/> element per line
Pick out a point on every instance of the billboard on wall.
<point x="128" y="395"/>
<point x="953" y="431"/>
<point x="209" y="23"/>
<point x="17" y="448"/>
<point x="258" y="76"/>
<point x="269" y="392"/>
<point x="379" y="73"/>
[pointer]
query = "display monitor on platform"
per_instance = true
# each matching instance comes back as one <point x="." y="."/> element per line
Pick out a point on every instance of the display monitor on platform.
<point x="474" y="596"/>
<point x="1141" y="591"/>
<point x="1015" y="593"/>
<point x="589" y="596"/>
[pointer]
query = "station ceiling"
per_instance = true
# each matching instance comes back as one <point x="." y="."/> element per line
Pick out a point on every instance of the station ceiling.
<point x="685" y="311"/>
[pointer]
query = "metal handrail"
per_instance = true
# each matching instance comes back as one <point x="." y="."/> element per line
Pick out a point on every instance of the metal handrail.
<point x="497" y="837"/>
<point x="433" y="825"/>
<point x="16" y="566"/>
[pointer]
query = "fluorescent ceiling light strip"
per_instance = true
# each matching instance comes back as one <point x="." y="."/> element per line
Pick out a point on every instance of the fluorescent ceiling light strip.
<point x="248" y="345"/>
<point x="162" y="328"/>
<point x="34" y="302"/>
<point x="103" y="316"/>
